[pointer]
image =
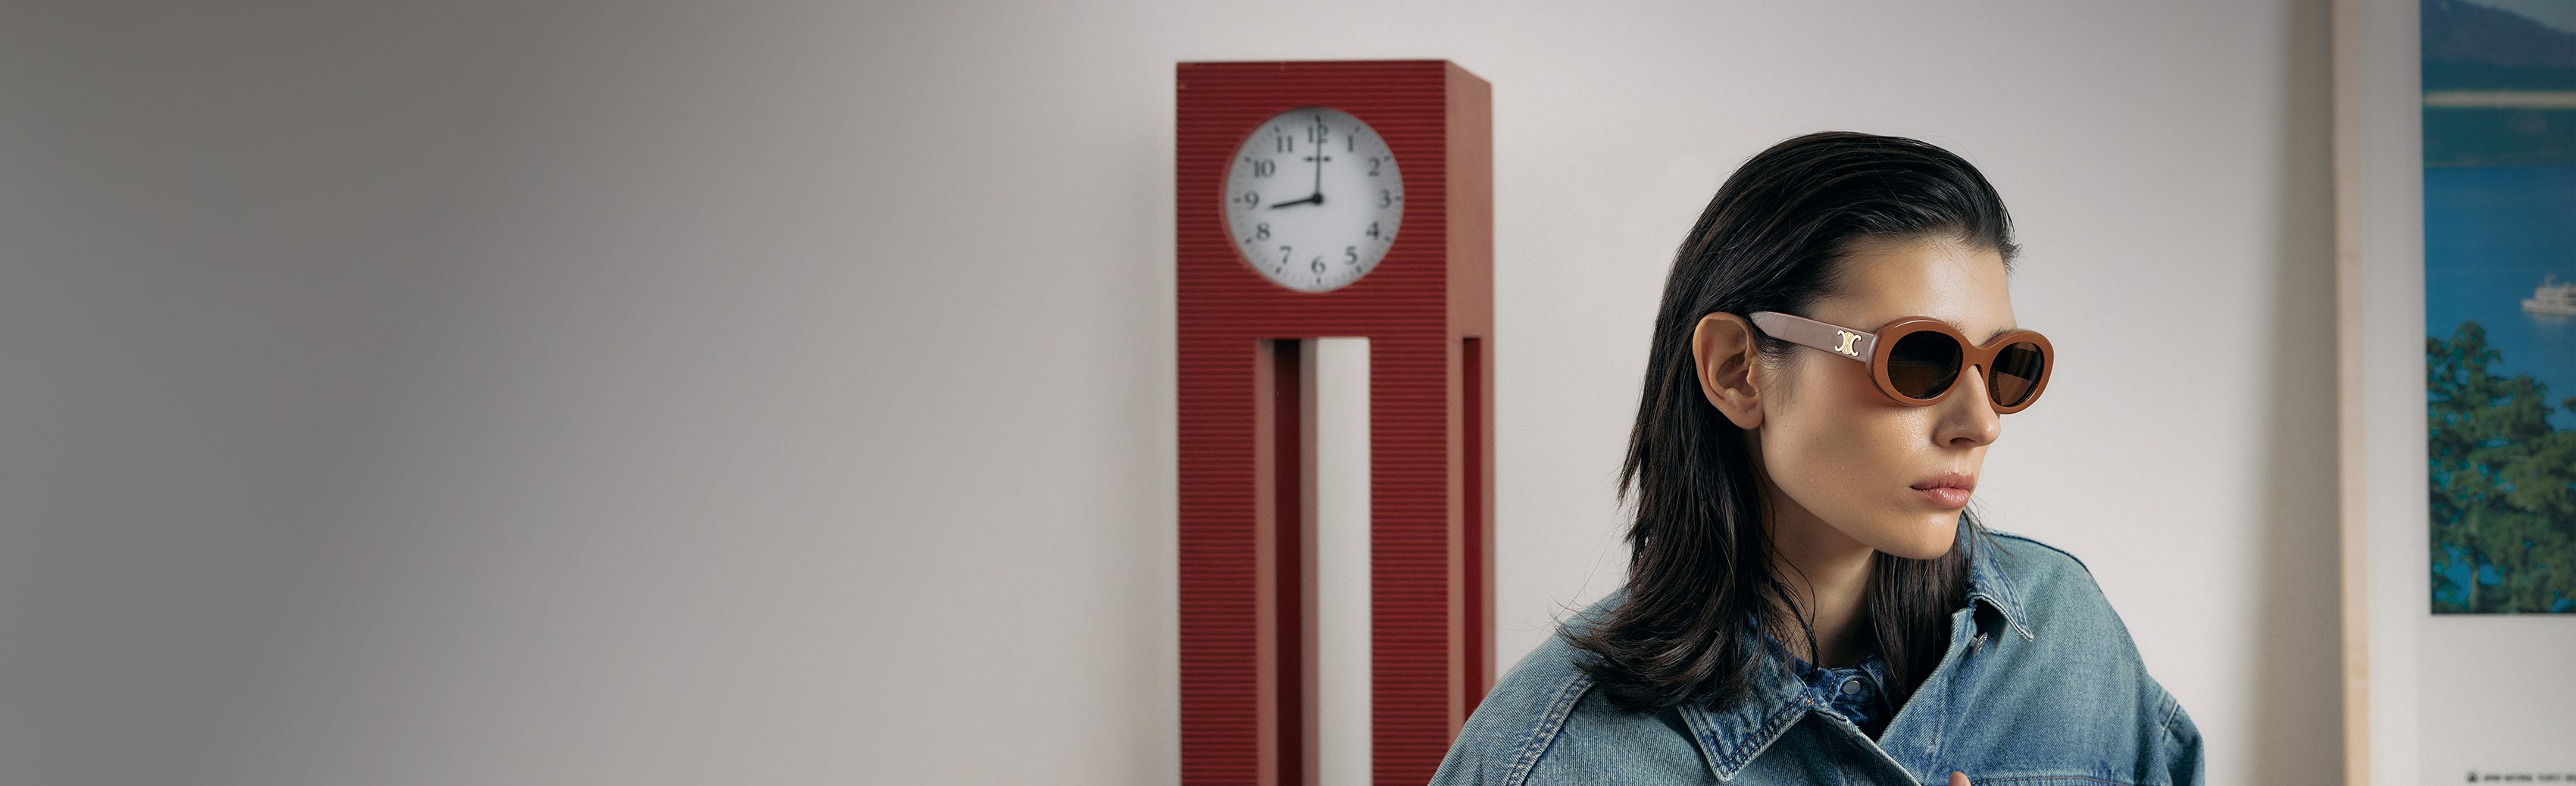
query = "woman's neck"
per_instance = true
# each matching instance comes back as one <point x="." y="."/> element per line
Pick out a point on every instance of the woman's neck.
<point x="1828" y="575"/>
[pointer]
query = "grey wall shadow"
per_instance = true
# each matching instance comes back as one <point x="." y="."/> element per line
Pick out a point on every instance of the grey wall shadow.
<point x="2296" y="704"/>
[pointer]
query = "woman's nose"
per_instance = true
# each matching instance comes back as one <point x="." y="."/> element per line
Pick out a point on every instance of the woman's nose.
<point x="1970" y="419"/>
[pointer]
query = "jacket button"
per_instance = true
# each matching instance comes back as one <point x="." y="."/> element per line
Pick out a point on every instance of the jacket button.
<point x="1851" y="687"/>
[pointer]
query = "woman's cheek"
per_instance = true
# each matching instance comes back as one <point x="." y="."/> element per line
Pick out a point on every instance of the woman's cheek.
<point x="1843" y="465"/>
<point x="1875" y="452"/>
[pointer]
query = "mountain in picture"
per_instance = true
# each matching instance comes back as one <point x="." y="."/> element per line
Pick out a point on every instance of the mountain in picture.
<point x="2499" y="87"/>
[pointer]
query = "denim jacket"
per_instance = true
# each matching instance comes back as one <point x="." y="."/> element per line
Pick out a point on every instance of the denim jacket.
<point x="2040" y="685"/>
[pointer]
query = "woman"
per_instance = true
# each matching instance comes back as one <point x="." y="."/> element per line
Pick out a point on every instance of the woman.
<point x="1807" y="599"/>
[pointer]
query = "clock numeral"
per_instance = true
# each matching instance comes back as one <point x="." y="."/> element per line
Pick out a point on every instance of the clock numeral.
<point x="1283" y="255"/>
<point x="1318" y="133"/>
<point x="1373" y="166"/>
<point x="1261" y="231"/>
<point x="1385" y="197"/>
<point x="1263" y="167"/>
<point x="1250" y="199"/>
<point x="1372" y="229"/>
<point x="1350" y="255"/>
<point x="1319" y="265"/>
<point x="1285" y="143"/>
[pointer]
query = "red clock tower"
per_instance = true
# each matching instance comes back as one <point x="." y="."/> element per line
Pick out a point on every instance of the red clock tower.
<point x="1246" y="504"/>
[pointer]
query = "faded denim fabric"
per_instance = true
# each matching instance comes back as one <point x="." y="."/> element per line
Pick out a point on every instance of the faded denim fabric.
<point x="1855" y="692"/>
<point x="2041" y="685"/>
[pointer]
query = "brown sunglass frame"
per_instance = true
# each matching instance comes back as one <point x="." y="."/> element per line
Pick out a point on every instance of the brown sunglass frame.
<point x="1873" y="347"/>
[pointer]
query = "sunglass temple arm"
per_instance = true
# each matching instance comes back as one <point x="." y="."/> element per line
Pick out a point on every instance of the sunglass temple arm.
<point x="1826" y="336"/>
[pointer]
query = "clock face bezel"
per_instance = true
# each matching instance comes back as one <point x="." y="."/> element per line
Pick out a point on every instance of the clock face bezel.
<point x="1273" y="152"/>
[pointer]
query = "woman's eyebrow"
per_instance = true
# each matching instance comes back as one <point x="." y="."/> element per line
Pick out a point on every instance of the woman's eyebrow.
<point x="2000" y="331"/>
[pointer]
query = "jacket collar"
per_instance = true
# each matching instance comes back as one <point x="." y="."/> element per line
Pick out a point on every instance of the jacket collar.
<point x="1988" y="582"/>
<point x="1732" y="736"/>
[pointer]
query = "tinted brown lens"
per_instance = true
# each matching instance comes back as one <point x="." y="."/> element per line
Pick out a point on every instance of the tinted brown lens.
<point x="1923" y="363"/>
<point x="2017" y="372"/>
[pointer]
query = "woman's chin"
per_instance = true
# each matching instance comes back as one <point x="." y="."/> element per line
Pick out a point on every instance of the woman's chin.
<point x="1929" y="543"/>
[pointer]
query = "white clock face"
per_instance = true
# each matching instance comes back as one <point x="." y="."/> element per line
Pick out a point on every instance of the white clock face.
<point x="1313" y="199"/>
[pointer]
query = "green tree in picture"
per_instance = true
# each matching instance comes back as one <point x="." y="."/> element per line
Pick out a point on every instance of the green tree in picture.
<point x="2504" y="485"/>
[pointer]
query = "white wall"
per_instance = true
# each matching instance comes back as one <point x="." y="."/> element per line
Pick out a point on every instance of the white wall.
<point x="507" y="393"/>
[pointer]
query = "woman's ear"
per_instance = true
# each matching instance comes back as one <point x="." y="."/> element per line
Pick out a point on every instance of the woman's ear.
<point x="1726" y="358"/>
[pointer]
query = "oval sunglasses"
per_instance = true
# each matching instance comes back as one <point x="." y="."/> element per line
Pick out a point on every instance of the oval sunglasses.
<point x="1915" y="360"/>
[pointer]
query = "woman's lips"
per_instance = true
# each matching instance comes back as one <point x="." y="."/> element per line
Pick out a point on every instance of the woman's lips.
<point x="1945" y="496"/>
<point x="1948" y="491"/>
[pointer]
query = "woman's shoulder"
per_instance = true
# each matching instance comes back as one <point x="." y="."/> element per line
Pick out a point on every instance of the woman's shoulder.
<point x="1546" y="703"/>
<point x="2067" y="621"/>
<point x="2071" y="628"/>
<point x="2042" y="585"/>
<point x="1548" y="680"/>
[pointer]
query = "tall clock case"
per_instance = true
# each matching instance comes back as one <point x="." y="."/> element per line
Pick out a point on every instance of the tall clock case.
<point x="1426" y="307"/>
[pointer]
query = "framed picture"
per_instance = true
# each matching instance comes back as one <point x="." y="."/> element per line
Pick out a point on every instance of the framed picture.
<point x="2455" y="170"/>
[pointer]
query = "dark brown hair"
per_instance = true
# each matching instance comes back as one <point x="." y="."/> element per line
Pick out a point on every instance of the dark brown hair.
<point x="1700" y="588"/>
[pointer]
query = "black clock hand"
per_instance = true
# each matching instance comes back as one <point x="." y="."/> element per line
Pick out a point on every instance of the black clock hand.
<point x="1319" y="164"/>
<point x="1318" y="199"/>
<point x="1319" y="158"/>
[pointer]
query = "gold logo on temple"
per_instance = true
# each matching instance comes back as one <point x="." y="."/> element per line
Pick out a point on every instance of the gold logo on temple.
<point x="1849" y="339"/>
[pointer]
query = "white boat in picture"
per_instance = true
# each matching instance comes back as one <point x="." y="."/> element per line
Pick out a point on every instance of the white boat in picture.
<point x="2552" y="297"/>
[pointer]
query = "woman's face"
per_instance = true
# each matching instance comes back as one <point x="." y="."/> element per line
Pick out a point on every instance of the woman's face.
<point x="1842" y="459"/>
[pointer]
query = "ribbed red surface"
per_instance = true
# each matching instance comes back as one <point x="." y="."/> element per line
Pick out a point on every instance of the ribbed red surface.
<point x="1430" y="564"/>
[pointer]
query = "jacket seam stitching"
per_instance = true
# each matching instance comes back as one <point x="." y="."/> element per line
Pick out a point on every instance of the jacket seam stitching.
<point x="1543" y="734"/>
<point x="1767" y="733"/>
<point x="2165" y="731"/>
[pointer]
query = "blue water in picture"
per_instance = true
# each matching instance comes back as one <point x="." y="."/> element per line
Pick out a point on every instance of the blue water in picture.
<point x="2490" y="235"/>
